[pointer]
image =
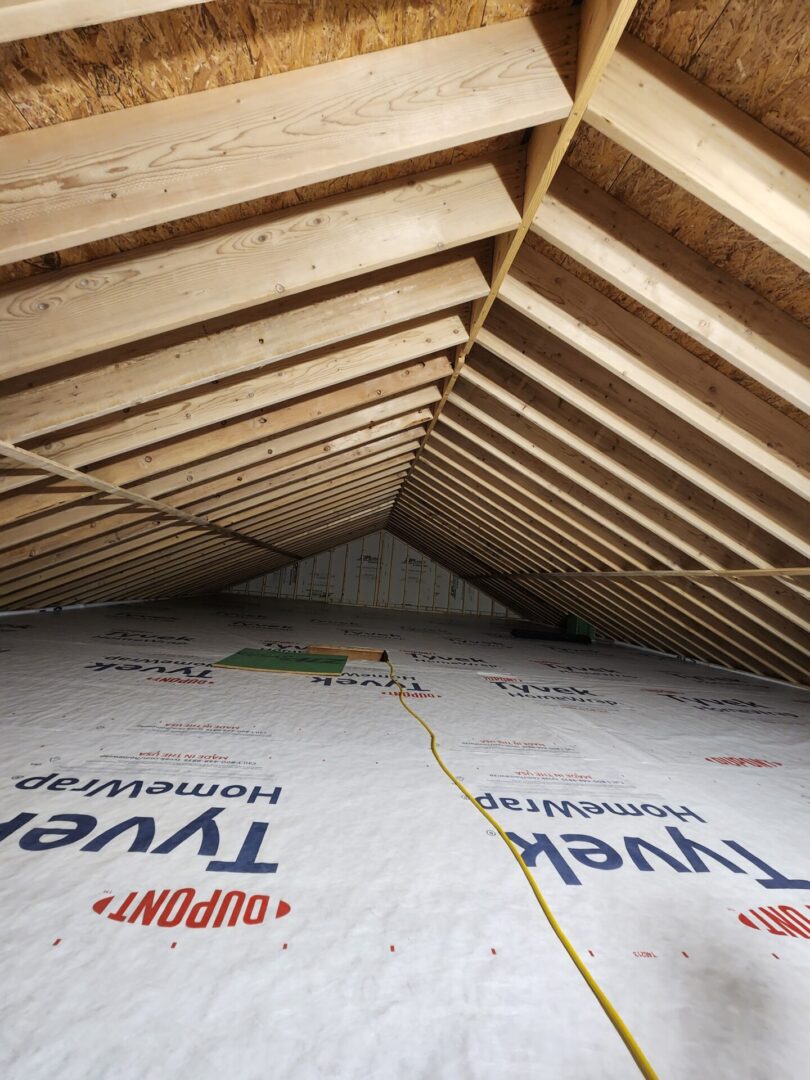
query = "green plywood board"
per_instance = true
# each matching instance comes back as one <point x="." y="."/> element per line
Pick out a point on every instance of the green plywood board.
<point x="290" y="663"/>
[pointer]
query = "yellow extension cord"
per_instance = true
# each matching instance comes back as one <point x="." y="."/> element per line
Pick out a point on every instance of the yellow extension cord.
<point x="609" y="1009"/>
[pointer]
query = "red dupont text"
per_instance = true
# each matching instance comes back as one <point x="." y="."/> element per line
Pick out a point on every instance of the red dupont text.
<point x="180" y="907"/>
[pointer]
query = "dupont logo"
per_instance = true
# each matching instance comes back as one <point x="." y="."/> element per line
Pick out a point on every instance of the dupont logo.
<point x="783" y="920"/>
<point x="180" y="907"/>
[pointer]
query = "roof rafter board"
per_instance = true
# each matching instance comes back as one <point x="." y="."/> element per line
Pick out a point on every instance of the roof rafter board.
<point x="107" y="174"/>
<point x="356" y="445"/>
<point x="30" y="18"/>
<point x="617" y="621"/>
<point x="305" y="508"/>
<point x="317" y="538"/>
<point x="601" y="520"/>
<point x="140" y="546"/>
<point x="691" y="293"/>
<point x="258" y="464"/>
<point x="576" y="455"/>
<point x="135" y="374"/>
<point x="707" y="146"/>
<point x="518" y="598"/>
<point x="288" y="427"/>
<point x="155" y="289"/>
<point x="659" y="368"/>
<point x="521" y="495"/>
<point x="489" y="462"/>
<point x="785" y="641"/>
<point x="774" y="571"/>
<point x="658" y="436"/>
<point x="132" y="564"/>
<point x="77" y="523"/>
<point x="175" y="417"/>
<point x="168" y="577"/>
<point x="301" y="479"/>
<point x="514" y="535"/>
<point x="351" y="527"/>
<point x="45" y="465"/>
<point x="633" y="483"/>
<point x="148" y="549"/>
<point x="446" y="525"/>
<point x="546" y="520"/>
<point x="150" y="534"/>
<point x="341" y="496"/>
<point x="601" y="25"/>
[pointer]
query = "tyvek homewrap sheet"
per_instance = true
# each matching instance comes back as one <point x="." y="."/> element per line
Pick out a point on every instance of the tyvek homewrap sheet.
<point x="218" y="872"/>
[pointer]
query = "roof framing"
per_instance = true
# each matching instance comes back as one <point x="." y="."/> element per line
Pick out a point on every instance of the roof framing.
<point x="424" y="321"/>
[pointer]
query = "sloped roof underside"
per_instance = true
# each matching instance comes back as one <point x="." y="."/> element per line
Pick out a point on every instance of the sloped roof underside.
<point x="531" y="293"/>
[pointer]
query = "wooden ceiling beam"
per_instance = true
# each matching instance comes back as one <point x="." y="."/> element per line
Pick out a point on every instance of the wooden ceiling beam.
<point x="83" y="390"/>
<point x="108" y="174"/>
<point x="175" y="418"/>
<point x="303" y="479"/>
<point x="657" y="270"/>
<point x="487" y="460"/>
<point x="278" y="431"/>
<point x="600" y="27"/>
<point x="657" y="435"/>
<point x="318" y="500"/>
<point x="181" y="546"/>
<point x="120" y="566"/>
<point x="601" y="474"/>
<point x="636" y="575"/>
<point x="503" y="481"/>
<point x="21" y="19"/>
<point x="697" y="618"/>
<point x="354" y="446"/>
<point x="319" y="538"/>
<point x="26" y="457"/>
<point x="617" y="611"/>
<point x="178" y="491"/>
<point x="79" y="565"/>
<point x="155" y="289"/>
<point x="97" y="521"/>
<point x="705" y="613"/>
<point x="444" y="519"/>
<point x="326" y="507"/>
<point x="353" y="528"/>
<point x="706" y="145"/>
<point x="657" y="367"/>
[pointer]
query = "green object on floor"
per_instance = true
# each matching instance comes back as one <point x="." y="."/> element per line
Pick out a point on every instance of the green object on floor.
<point x="577" y="627"/>
<point x="289" y="663"/>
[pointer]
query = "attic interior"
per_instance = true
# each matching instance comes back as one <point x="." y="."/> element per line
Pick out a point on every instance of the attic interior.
<point x="404" y="416"/>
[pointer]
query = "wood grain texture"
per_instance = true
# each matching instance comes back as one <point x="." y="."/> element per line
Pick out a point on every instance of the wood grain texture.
<point x="113" y="301"/>
<point x="30" y="18"/>
<point x="659" y="368"/>
<point x="35" y="461"/>
<point x="94" y="178"/>
<point x="36" y="404"/>
<point x="707" y="146"/>
<point x="636" y="534"/>
<point x="324" y="370"/>
<point x="691" y="293"/>
<point x="657" y="435"/>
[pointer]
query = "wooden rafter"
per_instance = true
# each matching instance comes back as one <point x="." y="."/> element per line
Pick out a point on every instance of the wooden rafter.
<point x="707" y="146"/>
<point x="104" y="175"/>
<point x="29" y="18"/>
